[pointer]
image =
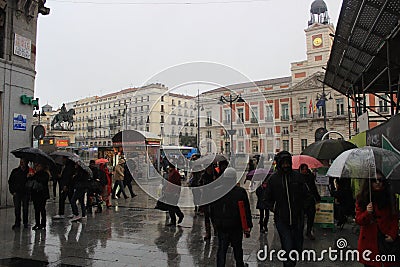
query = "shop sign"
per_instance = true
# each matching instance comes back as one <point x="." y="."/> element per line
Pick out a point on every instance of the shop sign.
<point x="62" y="143"/>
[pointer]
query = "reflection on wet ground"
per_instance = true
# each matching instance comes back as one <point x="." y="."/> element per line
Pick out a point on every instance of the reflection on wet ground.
<point x="132" y="233"/>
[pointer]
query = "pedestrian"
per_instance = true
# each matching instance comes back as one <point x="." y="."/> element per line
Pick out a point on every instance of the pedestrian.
<point x="286" y="192"/>
<point x="106" y="182"/>
<point x="261" y="193"/>
<point x="64" y="186"/>
<point x="93" y="185"/>
<point x="344" y="202"/>
<point x="207" y="177"/>
<point x="222" y="165"/>
<point x="128" y="178"/>
<point x="226" y="214"/>
<point x="80" y="185"/>
<point x="172" y="193"/>
<point x="39" y="194"/>
<point x="377" y="215"/>
<point x="17" y="187"/>
<point x="311" y="200"/>
<point x="119" y="179"/>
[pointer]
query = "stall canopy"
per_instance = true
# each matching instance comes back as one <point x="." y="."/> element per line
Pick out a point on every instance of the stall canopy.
<point x="131" y="137"/>
<point x="365" y="56"/>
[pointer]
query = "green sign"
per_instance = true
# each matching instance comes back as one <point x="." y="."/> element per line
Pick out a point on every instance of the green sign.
<point x="28" y="100"/>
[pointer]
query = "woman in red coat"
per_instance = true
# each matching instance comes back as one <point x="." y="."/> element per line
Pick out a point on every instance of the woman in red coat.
<point x="107" y="183"/>
<point x="371" y="215"/>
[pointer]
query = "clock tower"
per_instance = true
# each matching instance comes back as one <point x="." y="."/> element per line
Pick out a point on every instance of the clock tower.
<point x="319" y="43"/>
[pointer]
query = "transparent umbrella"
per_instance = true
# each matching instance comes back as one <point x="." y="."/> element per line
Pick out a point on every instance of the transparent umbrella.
<point x="362" y="163"/>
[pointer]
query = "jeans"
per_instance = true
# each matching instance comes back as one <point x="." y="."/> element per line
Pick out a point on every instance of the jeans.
<point x="129" y="185"/>
<point x="234" y="238"/>
<point x="121" y="187"/>
<point x="21" y="200"/>
<point x="264" y="218"/>
<point x="79" y="194"/>
<point x="291" y="237"/>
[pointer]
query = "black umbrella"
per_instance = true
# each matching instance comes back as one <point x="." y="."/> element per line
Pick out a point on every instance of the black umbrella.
<point x="58" y="155"/>
<point x="34" y="155"/>
<point x="83" y="166"/>
<point x="327" y="149"/>
<point x="205" y="161"/>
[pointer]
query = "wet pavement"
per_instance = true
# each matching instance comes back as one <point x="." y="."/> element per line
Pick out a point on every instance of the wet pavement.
<point x="133" y="233"/>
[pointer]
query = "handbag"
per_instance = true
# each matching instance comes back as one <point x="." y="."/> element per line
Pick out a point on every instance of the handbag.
<point x="388" y="248"/>
<point x="33" y="186"/>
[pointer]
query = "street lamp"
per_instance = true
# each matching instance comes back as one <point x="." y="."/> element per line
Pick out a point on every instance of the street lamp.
<point x="321" y="99"/>
<point x="231" y="99"/>
<point x="38" y="115"/>
<point x="198" y="107"/>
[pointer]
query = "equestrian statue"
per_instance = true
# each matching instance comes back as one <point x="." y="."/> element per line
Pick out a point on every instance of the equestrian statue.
<point x="63" y="116"/>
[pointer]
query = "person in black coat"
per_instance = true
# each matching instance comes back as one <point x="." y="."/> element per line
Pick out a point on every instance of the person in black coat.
<point x="226" y="215"/>
<point x="261" y="193"/>
<point x="16" y="185"/>
<point x="128" y="178"/>
<point x="80" y="182"/>
<point x="39" y="194"/>
<point x="311" y="200"/>
<point x="286" y="192"/>
<point x="64" y="186"/>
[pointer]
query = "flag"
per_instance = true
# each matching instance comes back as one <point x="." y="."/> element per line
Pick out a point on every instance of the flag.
<point x="315" y="108"/>
<point x="320" y="103"/>
<point x="310" y="107"/>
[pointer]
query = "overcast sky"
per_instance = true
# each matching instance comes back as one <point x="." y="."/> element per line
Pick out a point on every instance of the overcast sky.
<point x="94" y="47"/>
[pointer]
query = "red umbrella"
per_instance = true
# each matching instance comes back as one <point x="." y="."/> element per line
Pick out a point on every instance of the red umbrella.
<point x="101" y="161"/>
<point x="311" y="162"/>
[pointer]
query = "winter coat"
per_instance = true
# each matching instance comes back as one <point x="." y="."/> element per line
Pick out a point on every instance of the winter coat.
<point x="67" y="172"/>
<point x="105" y="177"/>
<point x="261" y="193"/>
<point x="43" y="178"/>
<point x="81" y="180"/>
<point x="128" y="178"/>
<point x="285" y="197"/>
<point x="119" y="172"/>
<point x="312" y="192"/>
<point x="225" y="211"/>
<point x="17" y="180"/>
<point x="368" y="238"/>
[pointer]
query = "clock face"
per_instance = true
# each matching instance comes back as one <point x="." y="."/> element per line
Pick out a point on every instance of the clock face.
<point x="317" y="41"/>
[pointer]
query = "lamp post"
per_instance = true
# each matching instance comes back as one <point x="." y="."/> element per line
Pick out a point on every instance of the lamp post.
<point x="321" y="102"/>
<point x="38" y="115"/>
<point x="231" y="99"/>
<point x="198" y="119"/>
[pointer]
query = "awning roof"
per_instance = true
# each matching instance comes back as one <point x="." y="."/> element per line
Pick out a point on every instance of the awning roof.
<point x="360" y="47"/>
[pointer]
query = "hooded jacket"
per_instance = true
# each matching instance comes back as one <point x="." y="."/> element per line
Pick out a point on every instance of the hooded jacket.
<point x="286" y="192"/>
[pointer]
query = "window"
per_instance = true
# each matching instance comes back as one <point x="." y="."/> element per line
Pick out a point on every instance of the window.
<point x="162" y="108"/>
<point x="209" y="120"/>
<point x="148" y="98"/>
<point x="179" y="103"/>
<point x="227" y="116"/>
<point x="285" y="130"/>
<point x="254" y="115"/>
<point x="285" y="145"/>
<point x="241" y="146"/>
<point x="270" y="131"/>
<point x="339" y="106"/>
<point x="162" y="98"/>
<point x="240" y="132"/>
<point x="303" y="144"/>
<point x="383" y="104"/>
<point x="209" y="146"/>
<point x="270" y="113"/>
<point x="254" y="146"/>
<point x="285" y="112"/>
<point x="209" y="134"/>
<point x="254" y="132"/>
<point x="173" y="102"/>
<point x="240" y="115"/>
<point x="303" y="109"/>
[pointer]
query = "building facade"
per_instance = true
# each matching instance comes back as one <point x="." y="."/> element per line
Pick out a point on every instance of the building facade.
<point x="18" y="31"/>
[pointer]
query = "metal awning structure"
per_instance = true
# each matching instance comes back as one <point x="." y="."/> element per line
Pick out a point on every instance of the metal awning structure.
<point x="365" y="56"/>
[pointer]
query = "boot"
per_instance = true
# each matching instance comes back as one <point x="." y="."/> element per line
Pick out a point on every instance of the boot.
<point x="262" y="231"/>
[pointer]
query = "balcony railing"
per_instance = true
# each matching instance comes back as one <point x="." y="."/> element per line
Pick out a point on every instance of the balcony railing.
<point x="254" y="120"/>
<point x="285" y="118"/>
<point x="269" y="119"/>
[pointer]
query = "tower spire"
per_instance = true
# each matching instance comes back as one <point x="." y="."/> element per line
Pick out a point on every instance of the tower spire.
<point x="318" y="13"/>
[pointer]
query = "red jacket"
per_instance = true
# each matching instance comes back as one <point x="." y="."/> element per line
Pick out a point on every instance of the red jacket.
<point x="368" y="238"/>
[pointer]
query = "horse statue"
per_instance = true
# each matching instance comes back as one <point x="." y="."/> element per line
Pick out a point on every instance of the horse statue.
<point x="63" y="117"/>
